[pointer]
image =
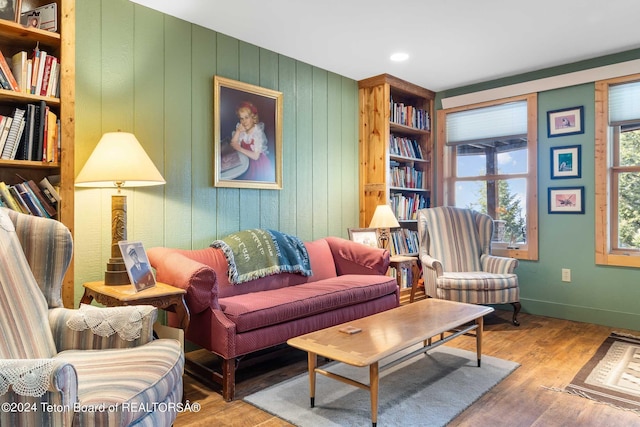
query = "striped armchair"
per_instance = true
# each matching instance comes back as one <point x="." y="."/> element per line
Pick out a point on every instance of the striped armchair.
<point x="457" y="265"/>
<point x="47" y="376"/>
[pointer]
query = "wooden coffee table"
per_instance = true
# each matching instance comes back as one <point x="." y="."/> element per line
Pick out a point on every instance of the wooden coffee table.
<point x="387" y="333"/>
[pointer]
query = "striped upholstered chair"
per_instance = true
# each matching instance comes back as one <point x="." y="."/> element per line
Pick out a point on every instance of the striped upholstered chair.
<point x="457" y="265"/>
<point x="47" y="376"/>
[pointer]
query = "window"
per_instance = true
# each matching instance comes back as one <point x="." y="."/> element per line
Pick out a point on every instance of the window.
<point x="618" y="171"/>
<point x="489" y="157"/>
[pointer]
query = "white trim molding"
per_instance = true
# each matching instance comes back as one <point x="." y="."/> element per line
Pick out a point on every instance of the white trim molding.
<point x="548" y="83"/>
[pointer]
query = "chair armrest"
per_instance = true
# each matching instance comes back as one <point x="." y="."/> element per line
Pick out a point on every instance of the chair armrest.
<point x="356" y="258"/>
<point x="431" y="263"/>
<point x="48" y="247"/>
<point x="175" y="268"/>
<point x="497" y="264"/>
<point x="98" y="328"/>
<point x="56" y="378"/>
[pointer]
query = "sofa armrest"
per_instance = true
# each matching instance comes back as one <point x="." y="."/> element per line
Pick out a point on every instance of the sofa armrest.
<point x="73" y="330"/>
<point x="497" y="264"/>
<point x="356" y="258"/>
<point x="177" y="269"/>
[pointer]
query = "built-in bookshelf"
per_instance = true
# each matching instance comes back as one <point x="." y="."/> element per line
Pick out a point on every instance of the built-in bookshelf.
<point x="42" y="136"/>
<point x="395" y="154"/>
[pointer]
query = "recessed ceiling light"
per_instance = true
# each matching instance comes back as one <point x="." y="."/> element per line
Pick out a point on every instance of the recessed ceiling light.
<point x="399" y="57"/>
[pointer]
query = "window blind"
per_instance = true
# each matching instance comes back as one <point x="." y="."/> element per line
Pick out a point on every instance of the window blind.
<point x="624" y="103"/>
<point x="497" y="121"/>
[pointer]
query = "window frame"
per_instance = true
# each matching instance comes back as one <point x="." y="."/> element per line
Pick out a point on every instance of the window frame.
<point x="607" y="253"/>
<point x="445" y="195"/>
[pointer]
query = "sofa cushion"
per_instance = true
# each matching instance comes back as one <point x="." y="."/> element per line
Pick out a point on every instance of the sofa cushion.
<point x="261" y="309"/>
<point x="107" y="377"/>
<point x="322" y="264"/>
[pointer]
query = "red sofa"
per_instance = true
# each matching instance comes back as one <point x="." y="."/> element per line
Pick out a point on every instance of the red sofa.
<point x="348" y="282"/>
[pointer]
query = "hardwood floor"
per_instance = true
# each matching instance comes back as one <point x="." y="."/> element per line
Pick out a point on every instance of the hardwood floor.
<point x="550" y="352"/>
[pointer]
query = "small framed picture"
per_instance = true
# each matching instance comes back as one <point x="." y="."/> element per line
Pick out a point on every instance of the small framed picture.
<point x="566" y="200"/>
<point x="366" y="236"/>
<point x="10" y="10"/>
<point x="568" y="121"/>
<point x="137" y="263"/>
<point x="566" y="161"/>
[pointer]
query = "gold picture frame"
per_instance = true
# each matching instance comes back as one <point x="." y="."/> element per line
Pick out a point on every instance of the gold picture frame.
<point x="247" y="150"/>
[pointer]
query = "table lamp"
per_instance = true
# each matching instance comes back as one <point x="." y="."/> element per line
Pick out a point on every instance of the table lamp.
<point x="383" y="219"/>
<point x="118" y="161"/>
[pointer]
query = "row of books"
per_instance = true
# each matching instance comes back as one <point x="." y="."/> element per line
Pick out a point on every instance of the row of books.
<point x="408" y="115"/>
<point x="32" y="132"/>
<point x="406" y="147"/>
<point x="403" y="242"/>
<point x="405" y="176"/>
<point x="37" y="73"/>
<point x="405" y="207"/>
<point x="40" y="199"/>
<point x="405" y="277"/>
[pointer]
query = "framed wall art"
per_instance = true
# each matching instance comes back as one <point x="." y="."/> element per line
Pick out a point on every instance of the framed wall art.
<point x="568" y="121"/>
<point x="366" y="236"/>
<point x="247" y="135"/>
<point x="566" y="200"/>
<point x="566" y="162"/>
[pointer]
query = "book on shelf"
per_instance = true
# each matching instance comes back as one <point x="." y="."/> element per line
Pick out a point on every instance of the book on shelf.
<point x="46" y="204"/>
<point x="7" y="198"/>
<point x="23" y="208"/>
<point x="14" y="135"/>
<point x="48" y="186"/>
<point x="5" y="124"/>
<point x="20" y="69"/>
<point x="8" y="75"/>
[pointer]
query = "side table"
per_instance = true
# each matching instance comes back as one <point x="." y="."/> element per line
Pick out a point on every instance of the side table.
<point x="410" y="264"/>
<point x="162" y="296"/>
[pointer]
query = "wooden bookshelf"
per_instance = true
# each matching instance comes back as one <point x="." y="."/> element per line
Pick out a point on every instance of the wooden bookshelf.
<point x="61" y="44"/>
<point x="395" y="148"/>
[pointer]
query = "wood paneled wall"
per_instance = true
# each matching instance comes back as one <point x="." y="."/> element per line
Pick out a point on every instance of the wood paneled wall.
<point x="151" y="74"/>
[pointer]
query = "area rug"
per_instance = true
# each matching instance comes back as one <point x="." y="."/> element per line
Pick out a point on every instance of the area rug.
<point x="612" y="375"/>
<point x="427" y="390"/>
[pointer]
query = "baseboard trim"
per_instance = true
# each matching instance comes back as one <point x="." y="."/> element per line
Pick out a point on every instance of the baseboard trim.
<point x="577" y="313"/>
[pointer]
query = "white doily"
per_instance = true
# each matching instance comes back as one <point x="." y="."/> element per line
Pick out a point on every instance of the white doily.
<point x="27" y="377"/>
<point x="126" y="321"/>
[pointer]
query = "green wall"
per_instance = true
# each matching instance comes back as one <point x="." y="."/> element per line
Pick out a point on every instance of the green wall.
<point x="596" y="294"/>
<point x="141" y="71"/>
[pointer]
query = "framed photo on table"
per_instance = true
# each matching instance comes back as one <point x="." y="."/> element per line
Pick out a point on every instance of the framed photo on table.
<point x="137" y="263"/>
<point x="568" y="121"/>
<point x="366" y="236"/>
<point x="566" y="162"/>
<point x="566" y="200"/>
<point x="247" y="135"/>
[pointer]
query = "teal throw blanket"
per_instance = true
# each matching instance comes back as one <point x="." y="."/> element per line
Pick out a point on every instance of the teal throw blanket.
<point x="256" y="253"/>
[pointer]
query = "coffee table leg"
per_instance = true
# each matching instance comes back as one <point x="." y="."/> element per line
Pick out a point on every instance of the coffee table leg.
<point x="313" y="363"/>
<point x="480" y="323"/>
<point x="373" y="389"/>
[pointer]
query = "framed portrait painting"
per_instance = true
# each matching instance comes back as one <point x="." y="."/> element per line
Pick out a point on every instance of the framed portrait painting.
<point x="247" y="135"/>
<point x="566" y="200"/>
<point x="568" y="121"/>
<point x="565" y="162"/>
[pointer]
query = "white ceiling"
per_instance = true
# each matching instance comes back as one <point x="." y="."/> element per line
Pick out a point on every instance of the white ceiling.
<point x="451" y="43"/>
